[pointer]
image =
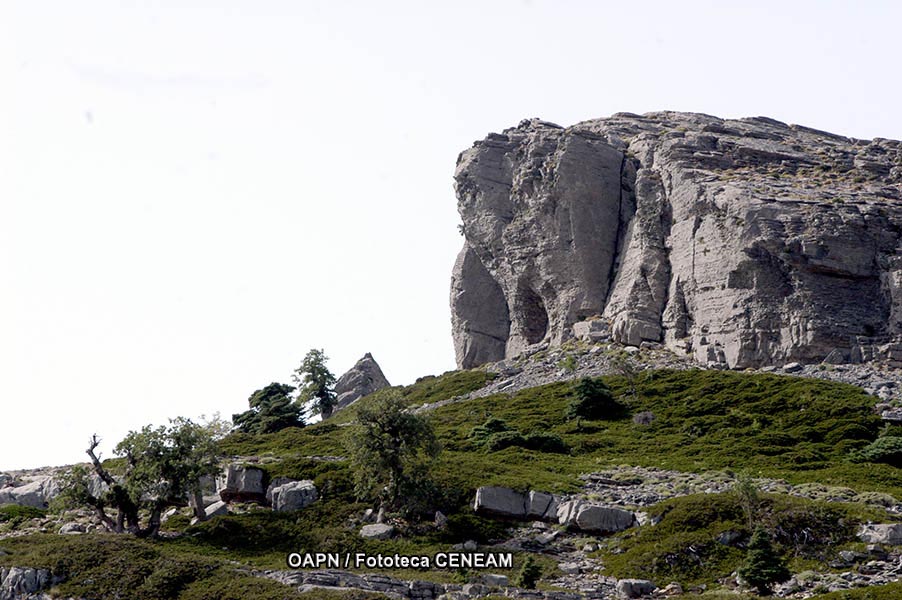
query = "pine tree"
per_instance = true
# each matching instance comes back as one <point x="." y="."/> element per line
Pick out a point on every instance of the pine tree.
<point x="316" y="383"/>
<point x="763" y="565"/>
<point x="529" y="574"/>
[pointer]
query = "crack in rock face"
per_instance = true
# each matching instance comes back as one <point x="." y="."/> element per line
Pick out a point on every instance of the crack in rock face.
<point x="739" y="243"/>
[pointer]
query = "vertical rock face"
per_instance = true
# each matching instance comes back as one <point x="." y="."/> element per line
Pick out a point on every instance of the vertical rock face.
<point x="739" y="242"/>
<point x="365" y="377"/>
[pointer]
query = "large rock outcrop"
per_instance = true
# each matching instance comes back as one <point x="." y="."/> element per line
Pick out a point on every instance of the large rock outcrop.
<point x="741" y="242"/>
<point x="364" y="378"/>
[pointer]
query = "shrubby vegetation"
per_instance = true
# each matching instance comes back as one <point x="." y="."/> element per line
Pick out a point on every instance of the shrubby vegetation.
<point x="592" y="399"/>
<point x="763" y="425"/>
<point x="391" y="453"/>
<point x="495" y="435"/>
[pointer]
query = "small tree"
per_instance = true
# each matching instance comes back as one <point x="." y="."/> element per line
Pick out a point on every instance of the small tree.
<point x="163" y="467"/>
<point x="316" y="383"/>
<point x="529" y="574"/>
<point x="746" y="493"/>
<point x="593" y="400"/>
<point x="391" y="452"/>
<point x="271" y="410"/>
<point x="763" y="565"/>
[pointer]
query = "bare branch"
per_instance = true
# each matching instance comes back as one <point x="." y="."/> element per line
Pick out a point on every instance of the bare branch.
<point x="98" y="468"/>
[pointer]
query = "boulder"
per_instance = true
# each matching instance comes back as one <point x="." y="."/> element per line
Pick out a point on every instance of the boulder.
<point x="293" y="495"/>
<point x="377" y="531"/>
<point x="36" y="493"/>
<point x="277" y="482"/>
<point x="216" y="509"/>
<point x="500" y="502"/>
<point x="634" y="588"/>
<point x="71" y="528"/>
<point x="19" y="582"/>
<point x="493" y="580"/>
<point x="364" y="378"/>
<point x="594" y="518"/>
<point x="242" y="483"/>
<point x="593" y="330"/>
<point x="541" y="505"/>
<point x="889" y="534"/>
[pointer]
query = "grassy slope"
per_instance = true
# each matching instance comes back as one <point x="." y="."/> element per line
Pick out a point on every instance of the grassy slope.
<point x="768" y="425"/>
<point x="798" y="429"/>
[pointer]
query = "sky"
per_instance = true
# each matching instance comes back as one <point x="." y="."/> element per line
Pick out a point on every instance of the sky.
<point x="194" y="194"/>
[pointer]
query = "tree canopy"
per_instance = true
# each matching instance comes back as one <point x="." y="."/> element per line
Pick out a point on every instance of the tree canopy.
<point x="316" y="383"/>
<point x="271" y="409"/>
<point x="163" y="467"/>
<point x="391" y="452"/>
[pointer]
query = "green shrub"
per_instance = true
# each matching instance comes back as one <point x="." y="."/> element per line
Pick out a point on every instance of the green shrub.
<point x="481" y="433"/>
<point x="505" y="439"/>
<point x="529" y="574"/>
<point x="886" y="450"/>
<point x="15" y="515"/>
<point x="763" y="565"/>
<point x="592" y="399"/>
<point x="466" y="525"/>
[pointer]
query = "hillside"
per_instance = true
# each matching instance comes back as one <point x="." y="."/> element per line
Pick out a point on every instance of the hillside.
<point x="674" y="457"/>
<point x="680" y="374"/>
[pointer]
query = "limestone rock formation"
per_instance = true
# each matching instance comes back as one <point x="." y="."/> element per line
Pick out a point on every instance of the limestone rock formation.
<point x="242" y="483"/>
<point x="739" y="242"/>
<point x="364" y="378"/>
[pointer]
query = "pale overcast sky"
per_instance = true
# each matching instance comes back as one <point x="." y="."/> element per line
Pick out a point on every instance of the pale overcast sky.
<point x="193" y="194"/>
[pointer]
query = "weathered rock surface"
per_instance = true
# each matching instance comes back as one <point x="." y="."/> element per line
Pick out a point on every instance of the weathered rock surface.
<point x="501" y="502"/>
<point x="634" y="588"/>
<point x="594" y="518"/>
<point x="737" y="242"/>
<point x="19" y="582"/>
<point x="293" y="495"/>
<point x="36" y="493"/>
<point x="216" y="509"/>
<point x="364" y="378"/>
<point x="377" y="531"/>
<point x="890" y="534"/>
<point x="242" y="483"/>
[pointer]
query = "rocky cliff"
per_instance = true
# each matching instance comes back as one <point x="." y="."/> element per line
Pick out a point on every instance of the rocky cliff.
<point x="739" y="242"/>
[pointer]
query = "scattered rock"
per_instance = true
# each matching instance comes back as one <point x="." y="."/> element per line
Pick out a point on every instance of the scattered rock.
<point x="493" y="580"/>
<point x="242" y="483"/>
<point x="500" y="502"/>
<point x="19" y="582"/>
<point x="634" y="588"/>
<point x="377" y="531"/>
<point x="889" y="534"/>
<point x="593" y="518"/>
<point x="72" y="528"/>
<point x="216" y="509"/>
<point x="293" y="495"/>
